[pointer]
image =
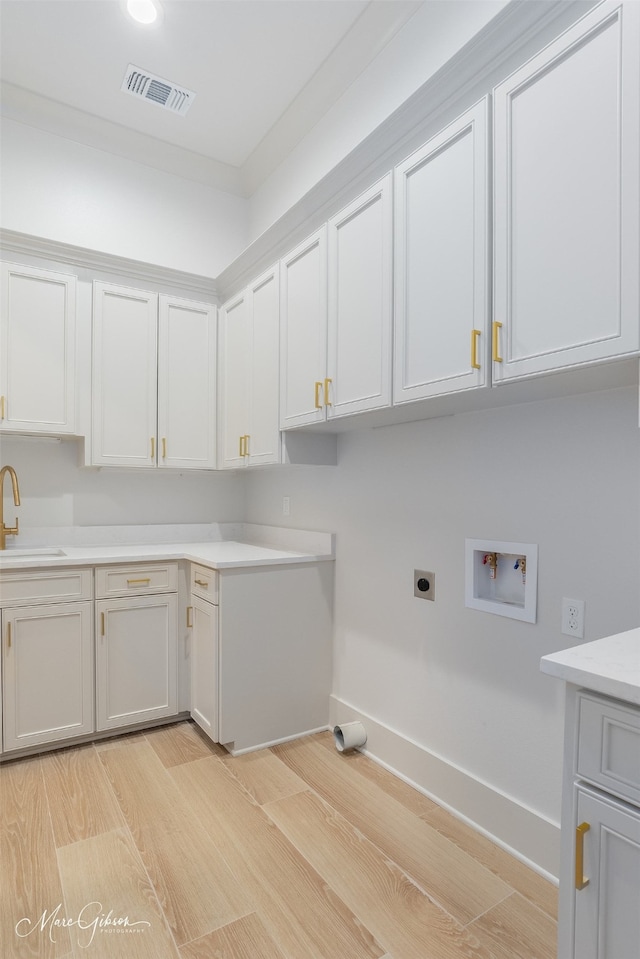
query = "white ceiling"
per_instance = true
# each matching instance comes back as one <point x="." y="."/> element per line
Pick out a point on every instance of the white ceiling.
<point x="264" y="72"/>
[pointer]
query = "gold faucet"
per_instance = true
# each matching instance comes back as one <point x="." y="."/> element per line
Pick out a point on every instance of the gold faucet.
<point x="8" y="530"/>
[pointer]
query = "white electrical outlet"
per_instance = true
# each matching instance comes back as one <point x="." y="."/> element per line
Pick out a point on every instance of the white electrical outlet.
<point x="286" y="506"/>
<point x="573" y="617"/>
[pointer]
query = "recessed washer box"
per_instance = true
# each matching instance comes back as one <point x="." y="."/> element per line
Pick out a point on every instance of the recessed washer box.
<point x="502" y="578"/>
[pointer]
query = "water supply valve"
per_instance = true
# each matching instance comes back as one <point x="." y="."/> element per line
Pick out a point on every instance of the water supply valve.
<point x="491" y="560"/>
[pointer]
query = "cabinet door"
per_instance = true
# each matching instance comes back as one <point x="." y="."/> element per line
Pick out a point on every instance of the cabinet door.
<point x="186" y="384"/>
<point x="263" y="443"/>
<point x="303" y="332"/>
<point x="442" y="262"/>
<point x="204" y="666"/>
<point x="37" y="349"/>
<point x="235" y="344"/>
<point x="607" y="918"/>
<point x="136" y="659"/>
<point x="567" y="169"/>
<point x="48" y="673"/>
<point x="360" y="303"/>
<point x="125" y="330"/>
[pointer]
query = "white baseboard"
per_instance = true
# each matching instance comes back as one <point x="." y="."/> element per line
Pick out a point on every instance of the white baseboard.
<point x="519" y="830"/>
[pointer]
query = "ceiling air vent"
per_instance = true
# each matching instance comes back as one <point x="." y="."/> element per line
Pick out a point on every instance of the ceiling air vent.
<point x="169" y="96"/>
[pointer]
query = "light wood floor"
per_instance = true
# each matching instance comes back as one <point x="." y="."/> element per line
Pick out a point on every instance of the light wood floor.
<point x="295" y="852"/>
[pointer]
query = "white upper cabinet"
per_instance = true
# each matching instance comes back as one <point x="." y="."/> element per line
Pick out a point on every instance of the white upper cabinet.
<point x="360" y="304"/>
<point x="125" y="385"/>
<point x="441" y="250"/>
<point x="337" y="313"/>
<point x="186" y="384"/>
<point x="234" y="379"/>
<point x="303" y="332"/>
<point x="153" y="380"/>
<point x="249" y="385"/>
<point x="566" y="190"/>
<point x="37" y="350"/>
<point x="262" y="445"/>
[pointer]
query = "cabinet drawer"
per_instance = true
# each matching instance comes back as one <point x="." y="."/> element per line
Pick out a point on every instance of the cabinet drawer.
<point x="204" y="583"/>
<point x="609" y="746"/>
<point x="136" y="580"/>
<point x="45" y="586"/>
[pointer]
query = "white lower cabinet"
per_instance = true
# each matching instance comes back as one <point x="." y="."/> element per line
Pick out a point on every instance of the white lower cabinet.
<point x="47" y="656"/>
<point x="261" y="658"/>
<point x="136" y="645"/>
<point x="204" y="649"/>
<point x="600" y="869"/>
<point x="136" y="660"/>
<point x="204" y="664"/>
<point x="48" y="673"/>
<point x="274" y="665"/>
<point x="607" y="918"/>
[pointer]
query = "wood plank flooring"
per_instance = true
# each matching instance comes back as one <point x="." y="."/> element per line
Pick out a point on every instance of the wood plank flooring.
<point x="160" y="845"/>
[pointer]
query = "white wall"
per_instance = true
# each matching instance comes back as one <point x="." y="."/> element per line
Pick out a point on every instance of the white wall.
<point x="54" y="491"/>
<point x="56" y="188"/>
<point x="430" y="38"/>
<point x="465" y="684"/>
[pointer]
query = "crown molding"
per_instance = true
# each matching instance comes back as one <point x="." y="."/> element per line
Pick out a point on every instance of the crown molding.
<point x="13" y="243"/>
<point x="516" y="33"/>
<point x="376" y="26"/>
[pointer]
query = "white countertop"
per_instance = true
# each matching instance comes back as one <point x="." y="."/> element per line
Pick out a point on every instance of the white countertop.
<point x="268" y="546"/>
<point x="610" y="665"/>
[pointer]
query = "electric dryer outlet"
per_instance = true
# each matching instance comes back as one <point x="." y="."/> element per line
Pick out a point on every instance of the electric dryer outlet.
<point x="424" y="584"/>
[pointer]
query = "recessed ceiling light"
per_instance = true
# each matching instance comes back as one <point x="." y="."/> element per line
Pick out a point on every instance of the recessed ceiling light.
<point x="143" y="11"/>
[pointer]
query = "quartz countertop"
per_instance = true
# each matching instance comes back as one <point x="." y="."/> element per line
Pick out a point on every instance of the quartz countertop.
<point x="610" y="665"/>
<point x="254" y="546"/>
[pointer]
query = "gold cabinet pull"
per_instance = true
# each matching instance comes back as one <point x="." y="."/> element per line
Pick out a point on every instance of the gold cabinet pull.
<point x="139" y="582"/>
<point x="164" y="447"/>
<point x="327" y="384"/>
<point x="474" y="349"/>
<point x="153" y="447"/>
<point x="581" y="881"/>
<point x="246" y="444"/>
<point x="494" y="342"/>
<point x="241" y="446"/>
<point x="318" y="390"/>
<point x="189" y="617"/>
<point x="8" y="635"/>
<point x="102" y="629"/>
<point x="201" y="582"/>
<point x="2" y="405"/>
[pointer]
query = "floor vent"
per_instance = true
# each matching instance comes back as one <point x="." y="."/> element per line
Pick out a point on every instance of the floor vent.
<point x="147" y="86"/>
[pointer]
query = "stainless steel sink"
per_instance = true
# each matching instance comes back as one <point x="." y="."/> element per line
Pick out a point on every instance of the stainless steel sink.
<point x="12" y="553"/>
